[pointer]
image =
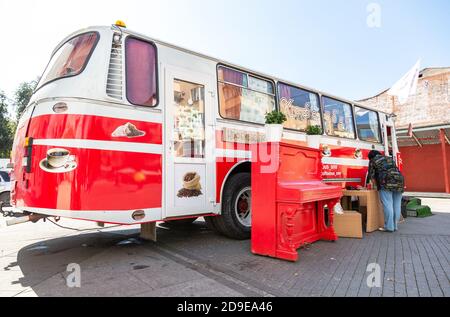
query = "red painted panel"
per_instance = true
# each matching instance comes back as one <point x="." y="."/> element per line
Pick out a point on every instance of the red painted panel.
<point x="103" y="180"/>
<point x="16" y="158"/>
<point x="423" y="168"/>
<point x="223" y="167"/>
<point x="90" y="128"/>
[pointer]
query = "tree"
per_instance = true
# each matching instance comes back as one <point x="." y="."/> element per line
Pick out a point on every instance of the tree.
<point x="23" y="95"/>
<point x="6" y="128"/>
<point x="8" y="125"/>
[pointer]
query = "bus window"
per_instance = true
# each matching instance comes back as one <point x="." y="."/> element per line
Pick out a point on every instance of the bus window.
<point x="367" y="125"/>
<point x="244" y="97"/>
<point x="301" y="107"/>
<point x="141" y="77"/>
<point x="338" y="118"/>
<point x="71" y="58"/>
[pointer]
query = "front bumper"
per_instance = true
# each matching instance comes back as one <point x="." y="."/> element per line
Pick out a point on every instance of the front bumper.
<point x="7" y="210"/>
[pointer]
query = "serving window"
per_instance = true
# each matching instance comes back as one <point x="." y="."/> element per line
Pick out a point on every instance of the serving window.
<point x="244" y="97"/>
<point x="338" y="118"/>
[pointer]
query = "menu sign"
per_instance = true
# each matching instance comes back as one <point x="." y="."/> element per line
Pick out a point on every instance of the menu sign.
<point x="243" y="137"/>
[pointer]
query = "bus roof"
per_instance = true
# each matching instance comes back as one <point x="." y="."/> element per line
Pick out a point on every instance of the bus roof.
<point x="214" y="59"/>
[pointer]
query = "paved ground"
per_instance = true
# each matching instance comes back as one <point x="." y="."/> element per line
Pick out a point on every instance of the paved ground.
<point x="196" y="262"/>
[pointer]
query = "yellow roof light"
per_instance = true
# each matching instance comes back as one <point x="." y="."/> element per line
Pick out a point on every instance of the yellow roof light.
<point x="121" y="24"/>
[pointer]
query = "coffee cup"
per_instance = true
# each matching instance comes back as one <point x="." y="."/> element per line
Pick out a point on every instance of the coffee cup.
<point x="57" y="157"/>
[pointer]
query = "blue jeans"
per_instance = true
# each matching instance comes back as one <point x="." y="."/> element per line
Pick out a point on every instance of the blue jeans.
<point x="392" y="203"/>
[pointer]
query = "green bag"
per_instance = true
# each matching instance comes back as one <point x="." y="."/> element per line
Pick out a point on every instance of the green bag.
<point x="419" y="211"/>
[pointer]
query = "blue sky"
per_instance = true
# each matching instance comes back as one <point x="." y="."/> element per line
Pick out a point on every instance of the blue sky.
<point x="324" y="44"/>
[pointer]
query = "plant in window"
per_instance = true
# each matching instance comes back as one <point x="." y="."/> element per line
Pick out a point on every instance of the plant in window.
<point x="314" y="133"/>
<point x="314" y="130"/>
<point x="274" y="126"/>
<point x="275" y="117"/>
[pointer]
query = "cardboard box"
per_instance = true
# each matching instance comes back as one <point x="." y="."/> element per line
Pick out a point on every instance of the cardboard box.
<point x="373" y="217"/>
<point x="348" y="225"/>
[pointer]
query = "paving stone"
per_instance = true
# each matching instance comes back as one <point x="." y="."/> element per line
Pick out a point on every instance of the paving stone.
<point x="194" y="261"/>
<point x="199" y="288"/>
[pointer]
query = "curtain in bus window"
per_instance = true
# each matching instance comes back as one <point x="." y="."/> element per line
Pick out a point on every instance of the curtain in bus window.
<point x="233" y="77"/>
<point x="373" y="122"/>
<point x="301" y="107"/>
<point x="81" y="48"/>
<point x="230" y="101"/>
<point x="243" y="104"/>
<point x="260" y="85"/>
<point x="141" y="73"/>
<point x="285" y="91"/>
<point x="338" y="118"/>
<point x="239" y="102"/>
<point x="70" y="59"/>
<point x="255" y="106"/>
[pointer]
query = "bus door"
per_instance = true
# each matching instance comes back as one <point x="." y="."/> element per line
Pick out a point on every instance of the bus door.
<point x="189" y="181"/>
<point x="391" y="141"/>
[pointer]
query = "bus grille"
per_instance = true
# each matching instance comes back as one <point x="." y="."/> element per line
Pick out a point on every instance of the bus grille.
<point x="114" y="84"/>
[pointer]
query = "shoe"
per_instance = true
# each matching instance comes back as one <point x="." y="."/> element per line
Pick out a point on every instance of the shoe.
<point x="385" y="230"/>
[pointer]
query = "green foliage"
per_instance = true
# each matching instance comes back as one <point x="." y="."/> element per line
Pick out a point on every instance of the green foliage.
<point x="275" y="117"/>
<point x="7" y="127"/>
<point x="23" y="95"/>
<point x="314" y="130"/>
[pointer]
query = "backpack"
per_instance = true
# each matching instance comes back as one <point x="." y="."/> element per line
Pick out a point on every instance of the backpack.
<point x="389" y="176"/>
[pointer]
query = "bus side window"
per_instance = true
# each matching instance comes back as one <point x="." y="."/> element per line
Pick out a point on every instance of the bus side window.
<point x="141" y="72"/>
<point x="244" y="97"/>
<point x="368" y="125"/>
<point x="301" y="107"/>
<point x="338" y="118"/>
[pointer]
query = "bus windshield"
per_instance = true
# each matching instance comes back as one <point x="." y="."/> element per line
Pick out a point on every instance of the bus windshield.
<point x="71" y="58"/>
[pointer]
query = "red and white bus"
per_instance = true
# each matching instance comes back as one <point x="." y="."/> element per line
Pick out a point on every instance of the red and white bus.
<point x="126" y="129"/>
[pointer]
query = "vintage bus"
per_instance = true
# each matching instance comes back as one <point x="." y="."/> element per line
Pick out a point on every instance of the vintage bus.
<point x="126" y="129"/>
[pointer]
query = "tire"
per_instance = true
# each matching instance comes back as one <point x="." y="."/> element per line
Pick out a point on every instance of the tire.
<point x="235" y="221"/>
<point x="180" y="223"/>
<point x="211" y="224"/>
<point x="5" y="198"/>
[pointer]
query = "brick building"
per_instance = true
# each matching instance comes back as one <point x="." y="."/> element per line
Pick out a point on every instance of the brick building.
<point x="425" y="151"/>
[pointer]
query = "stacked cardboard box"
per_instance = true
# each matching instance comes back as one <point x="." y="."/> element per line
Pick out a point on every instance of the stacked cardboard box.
<point x="348" y="225"/>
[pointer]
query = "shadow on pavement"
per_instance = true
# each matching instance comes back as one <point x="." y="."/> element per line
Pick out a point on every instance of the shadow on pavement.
<point x="41" y="261"/>
<point x="111" y="255"/>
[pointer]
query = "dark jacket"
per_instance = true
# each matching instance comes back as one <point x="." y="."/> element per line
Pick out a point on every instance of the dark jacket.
<point x="386" y="173"/>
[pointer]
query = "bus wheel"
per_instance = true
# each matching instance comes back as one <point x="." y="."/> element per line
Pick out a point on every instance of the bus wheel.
<point x="235" y="221"/>
<point x="211" y="224"/>
<point x="180" y="223"/>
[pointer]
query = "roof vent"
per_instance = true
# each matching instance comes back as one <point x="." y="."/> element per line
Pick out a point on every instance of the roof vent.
<point x="114" y="84"/>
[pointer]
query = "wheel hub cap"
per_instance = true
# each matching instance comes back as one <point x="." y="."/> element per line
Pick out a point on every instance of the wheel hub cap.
<point x="243" y="207"/>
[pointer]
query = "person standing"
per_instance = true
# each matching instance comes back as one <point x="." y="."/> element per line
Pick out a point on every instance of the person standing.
<point x="391" y="184"/>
